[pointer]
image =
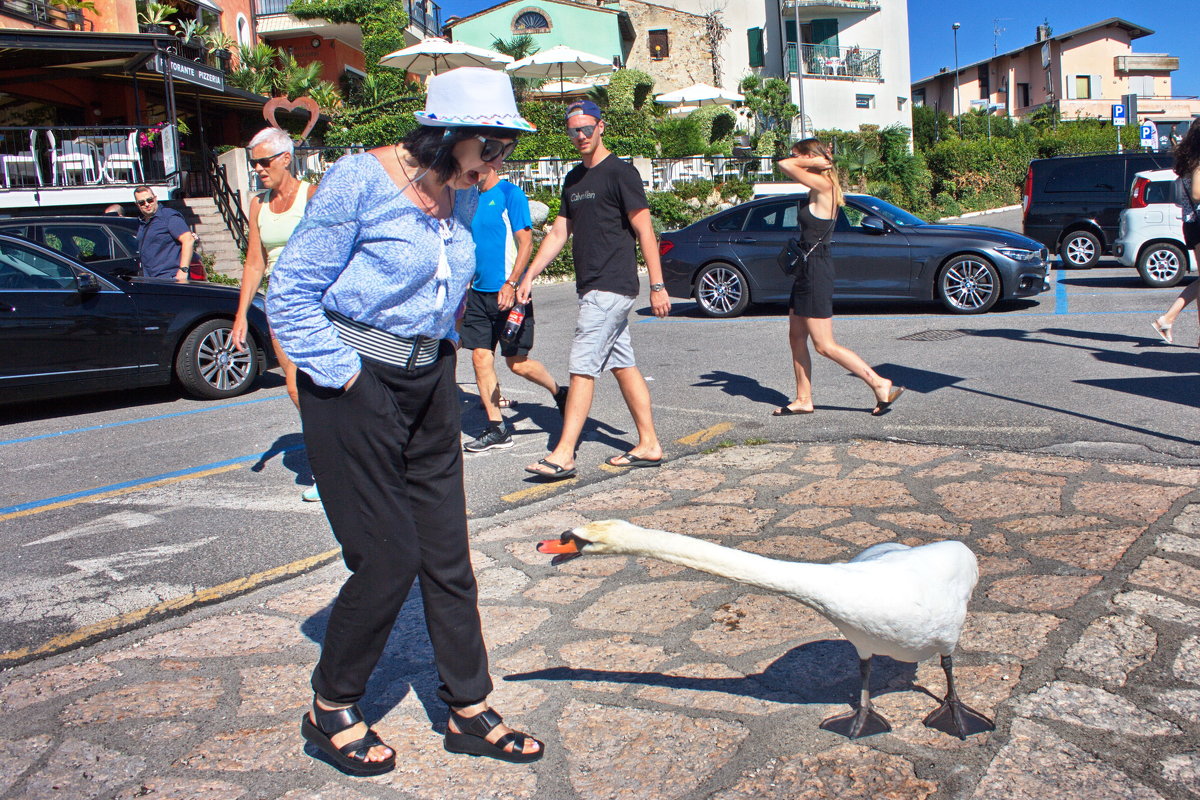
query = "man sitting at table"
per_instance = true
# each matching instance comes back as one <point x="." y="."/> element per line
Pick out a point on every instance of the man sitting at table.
<point x="164" y="240"/>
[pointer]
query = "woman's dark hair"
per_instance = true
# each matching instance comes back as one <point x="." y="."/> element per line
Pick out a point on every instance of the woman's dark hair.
<point x="433" y="147"/>
<point x="1187" y="152"/>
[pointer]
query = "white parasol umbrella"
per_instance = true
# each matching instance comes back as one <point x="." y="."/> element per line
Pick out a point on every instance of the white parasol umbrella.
<point x="564" y="88"/>
<point x="436" y="54"/>
<point x="560" y="62"/>
<point x="700" y="94"/>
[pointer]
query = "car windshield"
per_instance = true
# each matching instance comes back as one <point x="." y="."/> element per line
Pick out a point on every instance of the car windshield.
<point x="890" y="213"/>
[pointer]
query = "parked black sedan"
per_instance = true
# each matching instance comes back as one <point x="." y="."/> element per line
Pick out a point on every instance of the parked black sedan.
<point x="66" y="328"/>
<point x="727" y="261"/>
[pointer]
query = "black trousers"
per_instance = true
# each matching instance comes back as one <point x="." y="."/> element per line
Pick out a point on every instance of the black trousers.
<point x="386" y="454"/>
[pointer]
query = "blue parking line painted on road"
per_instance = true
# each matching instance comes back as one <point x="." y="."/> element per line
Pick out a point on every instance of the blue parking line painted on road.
<point x="1060" y="294"/>
<point x="107" y="425"/>
<point x="140" y="481"/>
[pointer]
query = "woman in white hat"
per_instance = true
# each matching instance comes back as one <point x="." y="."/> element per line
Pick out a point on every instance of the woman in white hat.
<point x="363" y="300"/>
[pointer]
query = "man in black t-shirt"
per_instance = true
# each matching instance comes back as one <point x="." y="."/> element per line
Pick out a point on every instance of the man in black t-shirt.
<point x="604" y="206"/>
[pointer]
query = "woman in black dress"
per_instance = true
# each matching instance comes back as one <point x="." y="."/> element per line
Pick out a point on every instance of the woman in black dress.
<point x="811" y="313"/>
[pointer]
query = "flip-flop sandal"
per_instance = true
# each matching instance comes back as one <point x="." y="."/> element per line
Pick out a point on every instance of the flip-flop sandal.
<point x="633" y="461"/>
<point x="506" y="403"/>
<point x="557" y="473"/>
<point x="471" y="740"/>
<point x="883" y="405"/>
<point x="784" y="411"/>
<point x="319" y="733"/>
<point x="1163" y="331"/>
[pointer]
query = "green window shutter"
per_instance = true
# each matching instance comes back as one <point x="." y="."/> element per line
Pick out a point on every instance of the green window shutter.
<point x="754" y="38"/>
<point x="789" y="31"/>
<point x="825" y="33"/>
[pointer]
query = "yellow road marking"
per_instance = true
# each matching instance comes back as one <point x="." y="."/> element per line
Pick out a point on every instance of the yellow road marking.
<point x="706" y="434"/>
<point x="116" y="492"/>
<point x="537" y="491"/>
<point x="123" y="622"/>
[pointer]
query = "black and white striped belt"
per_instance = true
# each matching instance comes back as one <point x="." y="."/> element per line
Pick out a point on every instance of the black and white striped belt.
<point x="398" y="351"/>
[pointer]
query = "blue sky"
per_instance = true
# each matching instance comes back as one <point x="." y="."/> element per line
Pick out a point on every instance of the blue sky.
<point x="931" y="42"/>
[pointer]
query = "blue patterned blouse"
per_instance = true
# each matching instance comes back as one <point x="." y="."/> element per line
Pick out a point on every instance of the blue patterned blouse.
<point x="366" y="251"/>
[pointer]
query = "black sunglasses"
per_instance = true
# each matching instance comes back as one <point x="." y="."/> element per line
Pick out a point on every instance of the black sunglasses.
<point x="265" y="162"/>
<point x="145" y="202"/>
<point x="583" y="130"/>
<point x="494" y="148"/>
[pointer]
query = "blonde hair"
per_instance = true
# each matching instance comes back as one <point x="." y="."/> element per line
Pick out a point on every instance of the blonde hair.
<point x="815" y="147"/>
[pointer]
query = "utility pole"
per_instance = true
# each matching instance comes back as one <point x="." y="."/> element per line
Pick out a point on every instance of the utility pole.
<point x="957" y="96"/>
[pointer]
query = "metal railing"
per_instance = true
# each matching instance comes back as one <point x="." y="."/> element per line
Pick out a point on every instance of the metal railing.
<point x="425" y="16"/>
<point x="43" y="13"/>
<point x="849" y="5"/>
<point x="229" y="203"/>
<point x="547" y="174"/>
<point x="264" y="8"/>
<point x="75" y="156"/>
<point x="828" y="61"/>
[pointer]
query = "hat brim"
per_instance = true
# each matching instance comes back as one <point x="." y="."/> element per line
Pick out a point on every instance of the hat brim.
<point x="518" y="124"/>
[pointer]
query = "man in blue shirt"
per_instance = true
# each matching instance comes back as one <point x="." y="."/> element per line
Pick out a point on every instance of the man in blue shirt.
<point x="503" y="245"/>
<point x="164" y="240"/>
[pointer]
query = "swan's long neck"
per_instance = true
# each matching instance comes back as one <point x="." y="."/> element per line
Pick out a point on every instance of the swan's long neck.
<point x="804" y="582"/>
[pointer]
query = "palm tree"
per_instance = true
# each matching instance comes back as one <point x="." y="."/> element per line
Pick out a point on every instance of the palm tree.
<point x="518" y="47"/>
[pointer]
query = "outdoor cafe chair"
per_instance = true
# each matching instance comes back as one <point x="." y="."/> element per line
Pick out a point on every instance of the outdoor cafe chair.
<point x="71" y="157"/>
<point x="23" y="161"/>
<point x="127" y="159"/>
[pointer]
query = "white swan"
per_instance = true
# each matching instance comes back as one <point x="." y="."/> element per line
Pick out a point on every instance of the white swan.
<point x="891" y="599"/>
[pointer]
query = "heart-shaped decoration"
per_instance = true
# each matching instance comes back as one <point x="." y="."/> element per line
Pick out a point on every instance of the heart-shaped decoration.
<point x="307" y="103"/>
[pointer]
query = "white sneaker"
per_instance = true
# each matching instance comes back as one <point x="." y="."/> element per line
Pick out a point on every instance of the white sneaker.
<point x="311" y="495"/>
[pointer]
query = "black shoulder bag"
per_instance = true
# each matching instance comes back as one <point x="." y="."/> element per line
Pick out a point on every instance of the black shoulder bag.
<point x="793" y="258"/>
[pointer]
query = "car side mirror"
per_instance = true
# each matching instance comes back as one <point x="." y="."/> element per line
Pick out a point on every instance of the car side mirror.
<point x="873" y="225"/>
<point x="87" y="283"/>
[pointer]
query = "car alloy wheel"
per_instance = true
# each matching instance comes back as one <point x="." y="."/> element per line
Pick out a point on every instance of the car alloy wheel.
<point x="721" y="291"/>
<point x="209" y="366"/>
<point x="969" y="285"/>
<point x="1162" y="265"/>
<point x="1081" y="249"/>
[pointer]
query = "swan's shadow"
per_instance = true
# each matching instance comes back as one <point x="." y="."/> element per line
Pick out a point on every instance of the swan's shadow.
<point x="824" y="671"/>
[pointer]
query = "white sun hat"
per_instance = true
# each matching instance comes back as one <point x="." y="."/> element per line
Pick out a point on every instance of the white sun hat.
<point x="471" y="96"/>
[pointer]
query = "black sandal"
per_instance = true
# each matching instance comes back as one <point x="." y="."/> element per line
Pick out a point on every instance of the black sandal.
<point x="472" y="740"/>
<point x="331" y="722"/>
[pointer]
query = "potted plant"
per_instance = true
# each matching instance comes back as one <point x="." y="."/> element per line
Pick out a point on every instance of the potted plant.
<point x="154" y="16"/>
<point x="73" y="10"/>
<point x="220" y="45"/>
<point x="191" y="32"/>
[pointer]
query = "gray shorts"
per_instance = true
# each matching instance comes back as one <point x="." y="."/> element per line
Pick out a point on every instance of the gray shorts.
<point x="601" y="334"/>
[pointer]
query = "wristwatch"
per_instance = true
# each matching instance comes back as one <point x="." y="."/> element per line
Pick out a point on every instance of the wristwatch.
<point x="512" y="284"/>
<point x="657" y="287"/>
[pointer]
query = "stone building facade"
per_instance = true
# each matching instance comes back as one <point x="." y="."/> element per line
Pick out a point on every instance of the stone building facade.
<point x="671" y="46"/>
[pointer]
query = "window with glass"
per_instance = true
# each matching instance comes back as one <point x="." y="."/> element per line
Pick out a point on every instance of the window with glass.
<point x="22" y="269"/>
<point x="531" y="21"/>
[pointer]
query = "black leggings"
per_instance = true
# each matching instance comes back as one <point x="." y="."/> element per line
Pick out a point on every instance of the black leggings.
<point x="387" y="456"/>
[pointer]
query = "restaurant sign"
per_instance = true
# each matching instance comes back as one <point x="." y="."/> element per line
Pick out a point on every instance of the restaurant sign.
<point x="190" y="72"/>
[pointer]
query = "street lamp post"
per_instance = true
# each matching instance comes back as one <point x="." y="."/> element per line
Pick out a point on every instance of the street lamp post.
<point x="957" y="95"/>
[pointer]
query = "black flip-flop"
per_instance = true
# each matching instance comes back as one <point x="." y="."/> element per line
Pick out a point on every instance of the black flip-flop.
<point x="559" y="473"/>
<point x="883" y="405"/>
<point x="633" y="461"/>
<point x="784" y="411"/>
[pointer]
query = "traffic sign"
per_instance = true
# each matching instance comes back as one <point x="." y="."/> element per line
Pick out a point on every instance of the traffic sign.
<point x="1149" y="134"/>
<point x="1118" y="114"/>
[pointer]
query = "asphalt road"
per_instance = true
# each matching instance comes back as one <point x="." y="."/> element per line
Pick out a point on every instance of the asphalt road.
<point x="119" y="505"/>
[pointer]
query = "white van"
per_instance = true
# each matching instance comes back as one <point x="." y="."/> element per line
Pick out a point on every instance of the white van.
<point x="1150" y="236"/>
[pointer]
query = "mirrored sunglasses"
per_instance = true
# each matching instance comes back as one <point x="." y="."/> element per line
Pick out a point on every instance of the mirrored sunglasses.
<point x="147" y="201"/>
<point x="585" y="131"/>
<point x="265" y="162"/>
<point x="494" y="148"/>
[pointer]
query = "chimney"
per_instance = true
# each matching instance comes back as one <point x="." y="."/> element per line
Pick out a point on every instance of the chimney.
<point x="1043" y="32"/>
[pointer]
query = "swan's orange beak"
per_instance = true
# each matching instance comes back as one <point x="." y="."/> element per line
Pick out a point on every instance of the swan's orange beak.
<point x="564" y="548"/>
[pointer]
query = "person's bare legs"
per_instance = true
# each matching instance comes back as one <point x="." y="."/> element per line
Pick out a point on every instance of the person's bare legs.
<point x="579" y="404"/>
<point x="289" y="371"/>
<point x="637" y="398"/>
<point x="821" y="333"/>
<point x="801" y="363"/>
<point x="484" y="362"/>
<point x="533" y="371"/>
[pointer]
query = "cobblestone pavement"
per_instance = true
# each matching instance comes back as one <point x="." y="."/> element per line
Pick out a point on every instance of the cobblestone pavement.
<point x="648" y="680"/>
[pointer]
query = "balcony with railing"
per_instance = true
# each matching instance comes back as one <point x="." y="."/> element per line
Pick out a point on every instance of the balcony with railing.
<point x="827" y="8"/>
<point x="424" y="17"/>
<point x="834" y="63"/>
<point x="45" y="15"/>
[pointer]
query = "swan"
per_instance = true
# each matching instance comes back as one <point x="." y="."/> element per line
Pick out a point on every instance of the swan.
<point x="908" y="603"/>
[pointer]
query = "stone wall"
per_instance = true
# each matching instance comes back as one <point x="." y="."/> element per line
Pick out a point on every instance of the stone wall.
<point x="690" y="57"/>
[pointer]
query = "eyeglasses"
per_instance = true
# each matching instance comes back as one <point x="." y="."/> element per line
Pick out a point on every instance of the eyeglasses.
<point x="147" y="201"/>
<point x="265" y="162"/>
<point x="495" y="148"/>
<point x="585" y="131"/>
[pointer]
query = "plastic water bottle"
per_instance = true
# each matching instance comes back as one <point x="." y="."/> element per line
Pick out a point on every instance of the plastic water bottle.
<point x="512" y="327"/>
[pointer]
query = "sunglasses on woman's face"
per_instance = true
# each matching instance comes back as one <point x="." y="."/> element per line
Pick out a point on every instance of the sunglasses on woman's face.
<point x="265" y="162"/>
<point x="495" y="148"/>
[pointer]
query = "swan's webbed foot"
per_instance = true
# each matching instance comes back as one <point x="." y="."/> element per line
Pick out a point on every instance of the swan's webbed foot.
<point x="863" y="721"/>
<point x="957" y="718"/>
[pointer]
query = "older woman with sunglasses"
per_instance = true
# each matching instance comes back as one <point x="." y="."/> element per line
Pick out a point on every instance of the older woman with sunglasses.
<point x="274" y="214"/>
<point x="363" y="301"/>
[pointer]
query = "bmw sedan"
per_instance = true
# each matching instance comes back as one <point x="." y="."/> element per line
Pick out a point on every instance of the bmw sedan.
<point x="66" y="328"/>
<point x="728" y="260"/>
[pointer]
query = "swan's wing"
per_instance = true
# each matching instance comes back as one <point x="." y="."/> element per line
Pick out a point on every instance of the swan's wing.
<point x="877" y="550"/>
